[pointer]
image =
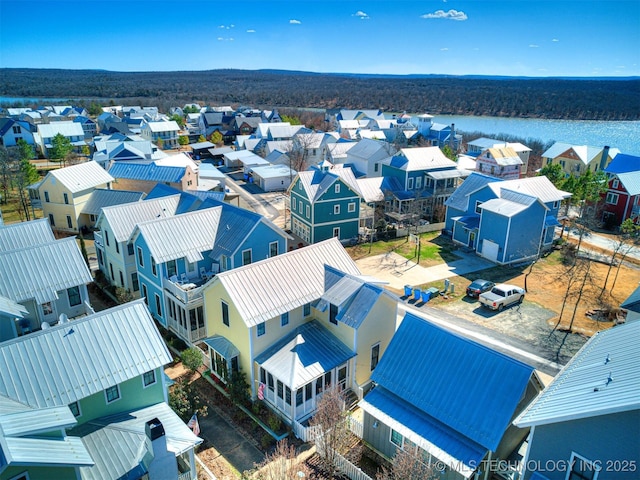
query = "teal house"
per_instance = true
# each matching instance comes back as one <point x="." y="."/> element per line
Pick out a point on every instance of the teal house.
<point x="325" y="203"/>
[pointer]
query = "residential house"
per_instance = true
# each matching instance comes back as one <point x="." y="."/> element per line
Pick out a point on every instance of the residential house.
<point x="336" y="153"/>
<point x="11" y="316"/>
<point x="587" y="420"/>
<point x="479" y="145"/>
<point x="87" y="399"/>
<point x="577" y="159"/>
<point x="48" y="277"/>
<point x="245" y="125"/>
<point x="631" y="306"/>
<point x="210" y="122"/>
<point x="177" y="255"/>
<point x="89" y="127"/>
<point x="499" y="162"/>
<point x="367" y="156"/>
<point x="324" y="204"/>
<point x="297" y="323"/>
<point x="241" y="159"/>
<point x="109" y="123"/>
<point x="421" y="180"/>
<point x="144" y="176"/>
<point x="70" y="130"/>
<point x="13" y="130"/>
<point x="504" y="221"/>
<point x="116" y="223"/>
<point x="103" y="198"/>
<point x="622" y="199"/>
<point x="310" y="147"/>
<point x="438" y="134"/>
<point x="446" y="399"/>
<point x="167" y="131"/>
<point x="119" y="147"/>
<point x="64" y="193"/>
<point x="272" y="178"/>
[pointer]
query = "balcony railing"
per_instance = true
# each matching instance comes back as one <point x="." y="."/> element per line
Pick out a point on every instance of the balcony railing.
<point x="186" y="293"/>
<point x="189" y="336"/>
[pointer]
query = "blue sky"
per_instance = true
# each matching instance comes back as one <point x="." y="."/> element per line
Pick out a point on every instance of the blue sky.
<point x="481" y="37"/>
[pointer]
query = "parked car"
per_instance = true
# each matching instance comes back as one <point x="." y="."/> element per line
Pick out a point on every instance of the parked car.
<point x="479" y="286"/>
<point x="501" y="296"/>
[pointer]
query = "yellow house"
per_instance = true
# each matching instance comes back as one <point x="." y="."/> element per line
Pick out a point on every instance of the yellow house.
<point x="64" y="193"/>
<point x="297" y="323"/>
<point x="577" y="159"/>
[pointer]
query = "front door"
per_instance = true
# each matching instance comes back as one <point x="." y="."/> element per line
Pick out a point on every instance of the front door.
<point x="472" y="239"/>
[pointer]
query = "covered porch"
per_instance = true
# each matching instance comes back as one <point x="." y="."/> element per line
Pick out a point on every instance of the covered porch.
<point x="222" y="357"/>
<point x="294" y="372"/>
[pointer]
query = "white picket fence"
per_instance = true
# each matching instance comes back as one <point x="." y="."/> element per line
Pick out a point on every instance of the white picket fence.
<point x="344" y="465"/>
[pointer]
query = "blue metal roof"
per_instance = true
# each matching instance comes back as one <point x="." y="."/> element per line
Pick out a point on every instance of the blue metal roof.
<point x="551" y="221"/>
<point x="467" y="386"/>
<point x="460" y="197"/>
<point x="223" y="346"/>
<point x="148" y="171"/>
<point x="188" y="202"/>
<point x="633" y="301"/>
<point x="623" y="163"/>
<point x="469" y="221"/>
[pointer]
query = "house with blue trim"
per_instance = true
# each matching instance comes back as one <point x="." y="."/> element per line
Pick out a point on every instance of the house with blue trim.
<point x="423" y="179"/>
<point x="325" y="203"/>
<point x="504" y="221"/>
<point x="177" y="255"/>
<point x="143" y="177"/>
<point x="587" y="420"/>
<point x="446" y="399"/>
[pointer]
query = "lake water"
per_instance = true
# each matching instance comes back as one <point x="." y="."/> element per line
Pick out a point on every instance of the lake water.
<point x="624" y="135"/>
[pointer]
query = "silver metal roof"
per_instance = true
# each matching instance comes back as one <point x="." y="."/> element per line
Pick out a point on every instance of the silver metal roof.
<point x="631" y="182"/>
<point x="602" y="378"/>
<point x="371" y="190"/>
<point x="539" y="187"/>
<point x="102" y="197"/>
<point x="73" y="360"/>
<point x="10" y="308"/>
<point x="25" y="234"/>
<point x="82" y="176"/>
<point x="123" y="218"/>
<point x="42" y="270"/>
<point x="186" y="235"/>
<point x="424" y="158"/>
<point x="263" y="290"/>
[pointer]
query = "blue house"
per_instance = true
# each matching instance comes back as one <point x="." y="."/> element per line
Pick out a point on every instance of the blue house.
<point x="421" y="180"/>
<point x="325" y="203"/>
<point x="446" y="399"/>
<point x="176" y="255"/>
<point x="504" y="221"/>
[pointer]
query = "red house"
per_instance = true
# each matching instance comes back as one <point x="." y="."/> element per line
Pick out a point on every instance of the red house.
<point x="622" y="199"/>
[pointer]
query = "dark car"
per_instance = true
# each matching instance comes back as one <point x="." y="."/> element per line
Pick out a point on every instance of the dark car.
<point x="479" y="286"/>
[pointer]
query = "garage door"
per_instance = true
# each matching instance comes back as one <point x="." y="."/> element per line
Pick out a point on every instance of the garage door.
<point x="490" y="250"/>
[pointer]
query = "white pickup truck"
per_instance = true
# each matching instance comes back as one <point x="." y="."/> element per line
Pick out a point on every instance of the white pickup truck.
<point x="501" y="296"/>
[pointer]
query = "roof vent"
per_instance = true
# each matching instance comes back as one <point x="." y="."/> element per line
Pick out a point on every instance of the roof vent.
<point x="44" y="325"/>
<point x="63" y="318"/>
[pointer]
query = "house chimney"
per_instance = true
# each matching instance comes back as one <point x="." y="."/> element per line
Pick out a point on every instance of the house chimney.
<point x="604" y="157"/>
<point x="164" y="463"/>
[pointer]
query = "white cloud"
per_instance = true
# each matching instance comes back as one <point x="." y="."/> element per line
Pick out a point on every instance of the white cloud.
<point x="251" y="31"/>
<point x="555" y="40"/>
<point x="444" y="49"/>
<point x="361" y="14"/>
<point x="220" y="39"/>
<point x="294" y="22"/>
<point x="533" y="45"/>
<point x="226" y="27"/>
<point x="450" y="15"/>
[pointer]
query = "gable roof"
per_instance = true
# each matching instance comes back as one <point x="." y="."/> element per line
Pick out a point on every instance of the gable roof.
<point x="186" y="235"/>
<point x="123" y="218"/>
<point x="268" y="288"/>
<point x="503" y="156"/>
<point x="459" y="199"/>
<point x="62" y="364"/>
<point x="437" y="356"/>
<point x="82" y="176"/>
<point x="101" y="198"/>
<point x="632" y="302"/>
<point x="150" y="172"/>
<point x="316" y="182"/>
<point x="631" y="182"/>
<point x="25" y="234"/>
<point x="623" y="163"/>
<point x="67" y="129"/>
<point x="163" y="126"/>
<point x="421" y="158"/>
<point x="40" y="271"/>
<point x="539" y="187"/>
<point x="369" y="149"/>
<point x="601" y="379"/>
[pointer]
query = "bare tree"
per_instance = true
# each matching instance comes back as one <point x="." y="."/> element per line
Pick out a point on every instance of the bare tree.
<point x="282" y="464"/>
<point x="408" y="466"/>
<point x="630" y="234"/>
<point x="333" y="438"/>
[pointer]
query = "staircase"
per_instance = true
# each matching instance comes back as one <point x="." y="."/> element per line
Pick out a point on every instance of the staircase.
<point x="350" y="400"/>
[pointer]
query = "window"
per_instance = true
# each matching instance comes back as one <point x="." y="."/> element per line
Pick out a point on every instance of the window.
<point x="351" y="207"/>
<point x="149" y="378"/>
<point x="308" y="211"/>
<point x="112" y="394"/>
<point x="121" y="278"/>
<point x="140" y="257"/>
<point x="293" y="203"/>
<point x="117" y="247"/>
<point x="75" y="409"/>
<point x="225" y="313"/>
<point x="376" y="167"/>
<point x="47" y="308"/>
<point x="337" y="188"/>
<point x="106" y="237"/>
<point x="145" y="294"/>
<point x="246" y="257"/>
<point x="100" y="259"/>
<point x="582" y="469"/>
<point x="375" y="356"/>
<point x="410" y="184"/>
<point x="300" y="207"/>
<point x="113" y="277"/>
<point x="130" y="248"/>
<point x="69" y="221"/>
<point x="306" y="309"/>
<point x="51" y="220"/>
<point x="396" y="438"/>
<point x="418" y="183"/>
<point x="270" y="382"/>
<point x="66" y="198"/>
<point x="134" y="282"/>
<point x="478" y="209"/>
<point x="261" y="329"/>
<point x="284" y="319"/>
<point x="16" y="129"/>
<point x="158" y="304"/>
<point x="615" y="183"/>
<point x="333" y="313"/>
<point x="612" y="198"/>
<point x="280" y="389"/>
<point x="556" y="204"/>
<point x="46" y="197"/>
<point x="154" y="270"/>
<point x="273" y="249"/>
<point x="74" y="296"/>
<point x="336" y="209"/>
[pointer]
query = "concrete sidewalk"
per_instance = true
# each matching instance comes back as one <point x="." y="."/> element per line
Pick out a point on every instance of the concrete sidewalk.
<point x="397" y="271"/>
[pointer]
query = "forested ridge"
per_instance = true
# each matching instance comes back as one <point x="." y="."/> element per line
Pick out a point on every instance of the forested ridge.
<point x="576" y="99"/>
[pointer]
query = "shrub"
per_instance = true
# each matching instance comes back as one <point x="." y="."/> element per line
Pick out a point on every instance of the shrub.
<point x="123" y="295"/>
<point x="274" y="422"/>
<point x="266" y="441"/>
<point x="191" y="359"/>
<point x="238" y="388"/>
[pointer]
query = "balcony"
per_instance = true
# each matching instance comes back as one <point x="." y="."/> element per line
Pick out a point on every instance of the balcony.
<point x="189" y="336"/>
<point x="186" y="292"/>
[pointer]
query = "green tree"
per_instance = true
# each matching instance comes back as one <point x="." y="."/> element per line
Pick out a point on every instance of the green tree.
<point x="554" y="173"/>
<point x="160" y="143"/>
<point x="191" y="359"/>
<point x="83" y="250"/>
<point x="238" y="388"/>
<point x="26" y="174"/>
<point x="86" y="151"/>
<point x="61" y="148"/>
<point x="216" y="137"/>
<point x="178" y="119"/>
<point x="183" y="140"/>
<point x="291" y="120"/>
<point x="201" y="139"/>
<point x="190" y="109"/>
<point x="449" y="153"/>
<point x="95" y="109"/>
<point x="185" y="400"/>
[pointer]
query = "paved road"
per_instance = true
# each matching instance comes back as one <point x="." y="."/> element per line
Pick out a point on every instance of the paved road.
<point x="606" y="243"/>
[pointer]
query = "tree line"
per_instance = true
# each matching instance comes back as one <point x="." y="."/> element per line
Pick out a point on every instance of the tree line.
<point x="576" y="99"/>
